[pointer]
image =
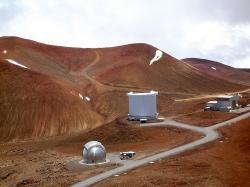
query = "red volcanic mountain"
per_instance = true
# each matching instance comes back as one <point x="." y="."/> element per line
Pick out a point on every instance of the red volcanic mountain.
<point x="244" y="69"/>
<point x="219" y="70"/>
<point x="67" y="90"/>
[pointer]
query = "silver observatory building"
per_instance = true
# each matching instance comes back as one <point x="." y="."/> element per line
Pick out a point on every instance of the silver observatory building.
<point x="94" y="153"/>
<point x="142" y="105"/>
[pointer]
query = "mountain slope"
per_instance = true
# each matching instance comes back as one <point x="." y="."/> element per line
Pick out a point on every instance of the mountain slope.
<point x="219" y="70"/>
<point x="67" y="90"/>
<point x="244" y="69"/>
<point x="35" y="105"/>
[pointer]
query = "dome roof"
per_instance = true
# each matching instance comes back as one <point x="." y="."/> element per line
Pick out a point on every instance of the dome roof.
<point x="94" y="152"/>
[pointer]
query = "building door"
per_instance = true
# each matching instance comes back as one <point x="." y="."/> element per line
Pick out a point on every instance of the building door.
<point x="233" y="104"/>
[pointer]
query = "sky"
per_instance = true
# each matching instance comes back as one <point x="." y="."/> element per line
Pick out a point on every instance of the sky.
<point x="216" y="30"/>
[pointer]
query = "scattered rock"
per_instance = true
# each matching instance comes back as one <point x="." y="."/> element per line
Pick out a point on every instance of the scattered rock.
<point x="4" y="174"/>
<point x="25" y="182"/>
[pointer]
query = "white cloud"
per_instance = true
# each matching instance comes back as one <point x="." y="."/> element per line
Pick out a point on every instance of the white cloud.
<point x="222" y="42"/>
<point x="206" y="35"/>
<point x="184" y="28"/>
<point x="241" y="63"/>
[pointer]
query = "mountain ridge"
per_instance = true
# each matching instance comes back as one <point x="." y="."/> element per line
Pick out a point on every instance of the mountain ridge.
<point x="48" y="98"/>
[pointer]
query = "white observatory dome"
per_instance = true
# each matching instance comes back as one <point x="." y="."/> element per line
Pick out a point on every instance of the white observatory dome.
<point x="94" y="152"/>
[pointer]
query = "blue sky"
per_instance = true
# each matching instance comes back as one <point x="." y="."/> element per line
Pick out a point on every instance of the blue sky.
<point x="216" y="30"/>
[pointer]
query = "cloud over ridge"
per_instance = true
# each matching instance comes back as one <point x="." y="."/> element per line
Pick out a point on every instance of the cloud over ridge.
<point x="216" y="30"/>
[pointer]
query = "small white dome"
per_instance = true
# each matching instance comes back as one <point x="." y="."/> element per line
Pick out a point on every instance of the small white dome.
<point x="94" y="152"/>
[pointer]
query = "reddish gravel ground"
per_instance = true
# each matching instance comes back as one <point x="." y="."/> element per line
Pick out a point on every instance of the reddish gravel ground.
<point x="54" y="162"/>
<point x="225" y="162"/>
<point x="222" y="71"/>
<point x="44" y="122"/>
<point x="44" y="100"/>
<point x="205" y="119"/>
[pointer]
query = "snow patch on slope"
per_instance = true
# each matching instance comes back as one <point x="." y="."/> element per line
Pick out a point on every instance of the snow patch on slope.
<point x="80" y="95"/>
<point x="213" y="68"/>
<point x="16" y="63"/>
<point x="158" y="55"/>
<point x="87" y="98"/>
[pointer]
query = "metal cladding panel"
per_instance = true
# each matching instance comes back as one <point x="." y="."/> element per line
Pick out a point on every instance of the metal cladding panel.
<point x="92" y="144"/>
<point x="96" y="155"/>
<point x="94" y="152"/>
<point x="224" y="103"/>
<point x="142" y="105"/>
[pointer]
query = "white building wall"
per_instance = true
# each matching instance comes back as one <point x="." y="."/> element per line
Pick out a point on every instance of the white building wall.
<point x="142" y="105"/>
<point x="224" y="104"/>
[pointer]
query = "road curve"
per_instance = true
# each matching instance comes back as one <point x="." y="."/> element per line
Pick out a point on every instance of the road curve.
<point x="210" y="135"/>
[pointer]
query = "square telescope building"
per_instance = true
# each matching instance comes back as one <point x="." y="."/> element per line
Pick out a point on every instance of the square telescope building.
<point x="142" y="105"/>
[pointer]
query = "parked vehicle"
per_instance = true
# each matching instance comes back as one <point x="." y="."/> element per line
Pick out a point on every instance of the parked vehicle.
<point x="127" y="155"/>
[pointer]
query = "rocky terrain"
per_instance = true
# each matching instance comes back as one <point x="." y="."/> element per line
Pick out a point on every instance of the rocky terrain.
<point x="219" y="70"/>
<point x="54" y="99"/>
<point x="60" y="91"/>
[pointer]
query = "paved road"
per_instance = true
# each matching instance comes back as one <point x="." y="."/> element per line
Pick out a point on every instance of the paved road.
<point x="209" y="133"/>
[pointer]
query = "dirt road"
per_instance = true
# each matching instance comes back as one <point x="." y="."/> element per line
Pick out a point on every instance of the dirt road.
<point x="209" y="132"/>
<point x="208" y="96"/>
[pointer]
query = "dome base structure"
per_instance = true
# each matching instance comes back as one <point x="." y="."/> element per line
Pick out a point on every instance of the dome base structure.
<point x="83" y="162"/>
<point x="152" y="117"/>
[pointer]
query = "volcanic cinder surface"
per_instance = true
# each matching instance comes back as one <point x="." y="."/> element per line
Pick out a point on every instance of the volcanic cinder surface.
<point x="224" y="162"/>
<point x="55" y="99"/>
<point x="222" y="71"/>
<point x="244" y="69"/>
<point x="65" y="91"/>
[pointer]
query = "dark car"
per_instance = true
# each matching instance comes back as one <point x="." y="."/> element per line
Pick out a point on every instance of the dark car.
<point x="127" y="155"/>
